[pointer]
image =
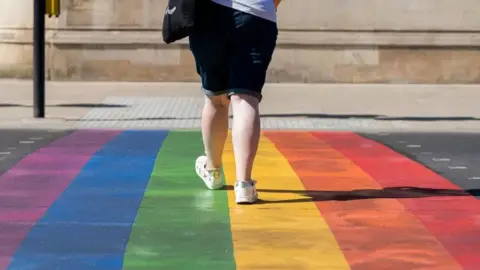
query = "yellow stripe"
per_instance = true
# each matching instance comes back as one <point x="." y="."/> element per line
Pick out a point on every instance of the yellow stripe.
<point x="278" y="235"/>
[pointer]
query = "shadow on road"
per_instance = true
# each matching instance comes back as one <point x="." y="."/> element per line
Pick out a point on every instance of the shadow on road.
<point x="70" y="105"/>
<point x="365" y="194"/>
<point x="372" y="116"/>
<point x="313" y="116"/>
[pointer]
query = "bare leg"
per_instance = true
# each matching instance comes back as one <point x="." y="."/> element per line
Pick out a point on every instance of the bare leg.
<point x="246" y="134"/>
<point x="215" y="129"/>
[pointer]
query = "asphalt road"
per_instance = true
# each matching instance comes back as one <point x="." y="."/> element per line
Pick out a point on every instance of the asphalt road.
<point x="73" y="203"/>
<point x="16" y="144"/>
<point x="455" y="156"/>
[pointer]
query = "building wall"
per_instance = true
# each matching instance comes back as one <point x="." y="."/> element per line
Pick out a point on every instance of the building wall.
<point x="428" y="41"/>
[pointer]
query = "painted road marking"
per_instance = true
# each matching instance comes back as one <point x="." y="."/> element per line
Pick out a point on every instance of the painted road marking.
<point x="107" y="192"/>
<point x="278" y="233"/>
<point x="5" y="153"/>
<point x="171" y="230"/>
<point x="36" y="138"/>
<point x="440" y="159"/>
<point x="27" y="142"/>
<point x="474" y="178"/>
<point x="314" y="163"/>
<point x="457" y="167"/>
<point x="414" y="146"/>
<point x="9" y="139"/>
<point x="367" y="145"/>
<point x="452" y="219"/>
<point x="359" y="211"/>
<point x="37" y="181"/>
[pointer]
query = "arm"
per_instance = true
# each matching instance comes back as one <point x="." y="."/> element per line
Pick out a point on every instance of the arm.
<point x="277" y="2"/>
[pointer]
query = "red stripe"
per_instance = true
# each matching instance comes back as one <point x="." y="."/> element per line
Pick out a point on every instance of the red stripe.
<point x="453" y="220"/>
<point x="373" y="233"/>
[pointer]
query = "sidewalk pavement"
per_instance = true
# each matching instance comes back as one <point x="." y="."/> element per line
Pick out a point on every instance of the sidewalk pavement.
<point x="354" y="107"/>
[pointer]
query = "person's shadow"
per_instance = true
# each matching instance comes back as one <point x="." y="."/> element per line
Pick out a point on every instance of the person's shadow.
<point x="365" y="194"/>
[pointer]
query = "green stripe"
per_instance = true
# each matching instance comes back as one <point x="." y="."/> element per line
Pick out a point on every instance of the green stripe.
<point x="180" y="223"/>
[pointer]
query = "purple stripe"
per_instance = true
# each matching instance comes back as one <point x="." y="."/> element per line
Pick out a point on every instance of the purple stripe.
<point x="30" y="187"/>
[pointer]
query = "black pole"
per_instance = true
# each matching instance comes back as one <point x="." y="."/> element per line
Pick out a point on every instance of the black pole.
<point x="39" y="58"/>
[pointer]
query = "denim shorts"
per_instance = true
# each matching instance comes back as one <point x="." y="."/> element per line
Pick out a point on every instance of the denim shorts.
<point x="232" y="50"/>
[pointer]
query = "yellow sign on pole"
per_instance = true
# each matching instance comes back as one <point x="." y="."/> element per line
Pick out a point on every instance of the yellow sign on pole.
<point x="52" y="8"/>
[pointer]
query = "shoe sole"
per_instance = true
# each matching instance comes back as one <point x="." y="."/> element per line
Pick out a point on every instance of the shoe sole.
<point x="213" y="187"/>
<point x="208" y="186"/>
<point x="245" y="200"/>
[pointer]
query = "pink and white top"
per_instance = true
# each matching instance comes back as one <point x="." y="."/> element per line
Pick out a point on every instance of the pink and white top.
<point x="262" y="8"/>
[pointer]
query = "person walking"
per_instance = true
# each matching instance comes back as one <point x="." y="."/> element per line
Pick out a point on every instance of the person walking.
<point x="232" y="43"/>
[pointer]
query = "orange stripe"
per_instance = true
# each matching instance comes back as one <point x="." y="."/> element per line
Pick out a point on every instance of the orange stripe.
<point x="453" y="220"/>
<point x="276" y="233"/>
<point x="374" y="232"/>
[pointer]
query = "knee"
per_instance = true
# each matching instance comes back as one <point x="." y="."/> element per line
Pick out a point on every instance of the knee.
<point x="244" y="98"/>
<point x="220" y="101"/>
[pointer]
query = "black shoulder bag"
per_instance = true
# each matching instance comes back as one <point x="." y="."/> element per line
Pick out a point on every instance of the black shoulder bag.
<point x="179" y="19"/>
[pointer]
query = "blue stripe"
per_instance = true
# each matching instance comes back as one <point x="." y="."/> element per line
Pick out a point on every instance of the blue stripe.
<point x="89" y="225"/>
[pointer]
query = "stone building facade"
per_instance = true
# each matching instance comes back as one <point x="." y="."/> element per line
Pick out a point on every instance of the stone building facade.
<point x="334" y="41"/>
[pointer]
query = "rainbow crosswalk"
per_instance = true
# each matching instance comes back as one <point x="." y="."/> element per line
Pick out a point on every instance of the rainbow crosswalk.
<point x="111" y="199"/>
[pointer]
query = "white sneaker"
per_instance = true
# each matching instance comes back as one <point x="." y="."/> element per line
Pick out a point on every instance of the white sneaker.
<point x="245" y="192"/>
<point x="212" y="179"/>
